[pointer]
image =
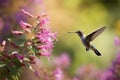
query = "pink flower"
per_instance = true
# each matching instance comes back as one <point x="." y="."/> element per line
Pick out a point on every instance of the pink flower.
<point x="20" y="57"/>
<point x="36" y="2"/>
<point x="27" y="13"/>
<point x="53" y="35"/>
<point x="45" y="54"/>
<point x="17" y="32"/>
<point x="42" y="33"/>
<point x="62" y="61"/>
<point x="25" y="26"/>
<point x="2" y="45"/>
<point x="43" y="19"/>
<point x="45" y="47"/>
<point x="37" y="67"/>
<point x="87" y="72"/>
<point x="37" y="74"/>
<point x="58" y="73"/>
<point x="117" y="41"/>
<point x="75" y="78"/>
<point x="108" y="75"/>
<point x="45" y="36"/>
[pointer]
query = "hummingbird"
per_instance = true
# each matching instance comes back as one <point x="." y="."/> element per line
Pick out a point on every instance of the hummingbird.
<point x="87" y="40"/>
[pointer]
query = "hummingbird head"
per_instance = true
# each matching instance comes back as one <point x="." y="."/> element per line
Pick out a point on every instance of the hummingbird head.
<point x="80" y="33"/>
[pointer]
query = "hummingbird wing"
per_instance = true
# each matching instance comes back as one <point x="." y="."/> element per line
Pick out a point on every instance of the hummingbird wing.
<point x="94" y="34"/>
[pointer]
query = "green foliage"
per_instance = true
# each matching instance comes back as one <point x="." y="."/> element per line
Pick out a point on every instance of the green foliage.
<point x="10" y="73"/>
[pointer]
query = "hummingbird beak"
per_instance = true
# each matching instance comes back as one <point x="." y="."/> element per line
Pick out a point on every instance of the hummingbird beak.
<point x="71" y="32"/>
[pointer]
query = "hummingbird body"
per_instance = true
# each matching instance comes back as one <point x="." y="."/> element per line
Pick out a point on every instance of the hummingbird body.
<point x="86" y="40"/>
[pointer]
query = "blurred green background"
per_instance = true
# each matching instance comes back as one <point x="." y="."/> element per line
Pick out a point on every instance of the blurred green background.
<point x="85" y="15"/>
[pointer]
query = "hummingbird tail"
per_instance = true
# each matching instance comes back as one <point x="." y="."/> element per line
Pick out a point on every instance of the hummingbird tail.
<point x="97" y="52"/>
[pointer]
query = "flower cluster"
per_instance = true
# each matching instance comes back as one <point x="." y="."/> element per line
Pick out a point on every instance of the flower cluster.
<point x="113" y="72"/>
<point x="24" y="50"/>
<point x="44" y="36"/>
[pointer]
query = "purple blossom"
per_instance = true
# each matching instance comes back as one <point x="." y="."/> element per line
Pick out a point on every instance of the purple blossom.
<point x="113" y="72"/>
<point x="107" y="75"/>
<point x="19" y="16"/>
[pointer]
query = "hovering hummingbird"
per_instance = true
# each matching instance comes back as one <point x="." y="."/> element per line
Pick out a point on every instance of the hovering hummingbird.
<point x="86" y="40"/>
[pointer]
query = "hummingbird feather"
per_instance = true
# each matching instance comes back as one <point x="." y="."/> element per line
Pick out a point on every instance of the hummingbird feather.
<point x="94" y="34"/>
